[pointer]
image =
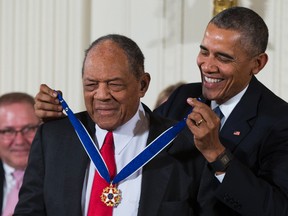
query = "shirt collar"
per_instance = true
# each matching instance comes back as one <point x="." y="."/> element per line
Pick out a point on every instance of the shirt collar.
<point x="228" y="106"/>
<point x="124" y="133"/>
<point x="8" y="169"/>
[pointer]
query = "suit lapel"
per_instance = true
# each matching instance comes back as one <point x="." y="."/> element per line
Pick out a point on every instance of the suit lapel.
<point x="156" y="174"/>
<point x="242" y="118"/>
<point x="78" y="160"/>
<point x="2" y="179"/>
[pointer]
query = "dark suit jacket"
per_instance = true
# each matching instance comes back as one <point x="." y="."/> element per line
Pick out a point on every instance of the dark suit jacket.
<point x="54" y="177"/>
<point x="256" y="182"/>
<point x="2" y="180"/>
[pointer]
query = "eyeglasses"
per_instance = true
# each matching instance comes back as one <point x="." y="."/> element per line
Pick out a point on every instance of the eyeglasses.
<point x="10" y="134"/>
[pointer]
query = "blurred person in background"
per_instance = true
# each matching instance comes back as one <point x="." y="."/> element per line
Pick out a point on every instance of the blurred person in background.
<point x="166" y="92"/>
<point x="18" y="124"/>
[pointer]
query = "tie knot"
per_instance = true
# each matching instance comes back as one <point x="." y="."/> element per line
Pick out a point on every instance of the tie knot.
<point x="108" y="140"/>
<point x="18" y="176"/>
<point x="218" y="112"/>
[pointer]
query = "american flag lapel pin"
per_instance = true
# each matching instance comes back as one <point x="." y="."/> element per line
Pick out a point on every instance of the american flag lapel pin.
<point x="236" y="133"/>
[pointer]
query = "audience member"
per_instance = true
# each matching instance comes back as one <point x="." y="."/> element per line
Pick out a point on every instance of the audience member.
<point x="246" y="147"/>
<point x="166" y="92"/>
<point x="18" y="124"/>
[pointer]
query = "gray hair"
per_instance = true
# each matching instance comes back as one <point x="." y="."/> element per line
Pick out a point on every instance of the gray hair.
<point x="130" y="48"/>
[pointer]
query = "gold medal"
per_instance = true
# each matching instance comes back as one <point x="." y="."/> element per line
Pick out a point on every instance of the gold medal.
<point x="111" y="196"/>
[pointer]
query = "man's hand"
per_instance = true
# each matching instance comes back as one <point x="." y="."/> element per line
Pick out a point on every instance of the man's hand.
<point x="47" y="106"/>
<point x="205" y="124"/>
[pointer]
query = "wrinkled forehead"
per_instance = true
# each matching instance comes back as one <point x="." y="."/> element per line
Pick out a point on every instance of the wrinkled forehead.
<point x="105" y="50"/>
<point x="106" y="47"/>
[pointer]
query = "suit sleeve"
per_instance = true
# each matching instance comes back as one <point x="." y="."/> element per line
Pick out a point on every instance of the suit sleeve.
<point x="264" y="190"/>
<point x="176" y="106"/>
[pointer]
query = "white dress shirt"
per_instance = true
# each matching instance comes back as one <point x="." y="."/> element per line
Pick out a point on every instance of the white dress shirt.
<point x="129" y="140"/>
<point x="227" y="107"/>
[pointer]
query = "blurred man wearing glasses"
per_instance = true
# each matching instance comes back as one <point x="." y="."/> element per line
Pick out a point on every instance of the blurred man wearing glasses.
<point x="18" y="124"/>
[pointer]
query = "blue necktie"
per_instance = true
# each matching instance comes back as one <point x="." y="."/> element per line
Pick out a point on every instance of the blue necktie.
<point x="218" y="112"/>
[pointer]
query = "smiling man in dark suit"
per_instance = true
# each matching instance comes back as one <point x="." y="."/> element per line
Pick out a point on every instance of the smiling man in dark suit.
<point x="246" y="171"/>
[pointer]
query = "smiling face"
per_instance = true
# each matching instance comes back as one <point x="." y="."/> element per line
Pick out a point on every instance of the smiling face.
<point x="112" y="92"/>
<point x="17" y="116"/>
<point x="226" y="68"/>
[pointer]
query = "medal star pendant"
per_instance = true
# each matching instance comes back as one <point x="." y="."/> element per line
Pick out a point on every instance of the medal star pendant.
<point x="111" y="196"/>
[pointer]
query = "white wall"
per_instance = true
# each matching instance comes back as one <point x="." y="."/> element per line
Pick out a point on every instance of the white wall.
<point x="43" y="41"/>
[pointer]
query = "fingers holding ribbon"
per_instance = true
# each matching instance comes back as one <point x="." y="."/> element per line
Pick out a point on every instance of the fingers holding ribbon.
<point x="196" y="117"/>
<point x="204" y="125"/>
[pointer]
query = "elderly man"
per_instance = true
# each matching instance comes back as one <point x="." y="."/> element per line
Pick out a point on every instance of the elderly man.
<point x="62" y="180"/>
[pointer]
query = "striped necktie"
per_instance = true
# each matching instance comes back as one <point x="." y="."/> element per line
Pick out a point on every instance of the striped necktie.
<point x="218" y="112"/>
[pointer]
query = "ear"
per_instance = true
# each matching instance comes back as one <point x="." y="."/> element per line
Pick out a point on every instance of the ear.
<point x="144" y="83"/>
<point x="260" y="62"/>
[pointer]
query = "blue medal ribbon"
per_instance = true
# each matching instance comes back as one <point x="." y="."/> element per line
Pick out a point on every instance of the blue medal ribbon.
<point x="86" y="141"/>
<point x="151" y="150"/>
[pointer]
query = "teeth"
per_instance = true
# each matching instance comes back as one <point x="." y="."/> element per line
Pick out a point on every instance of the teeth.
<point x="211" y="80"/>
